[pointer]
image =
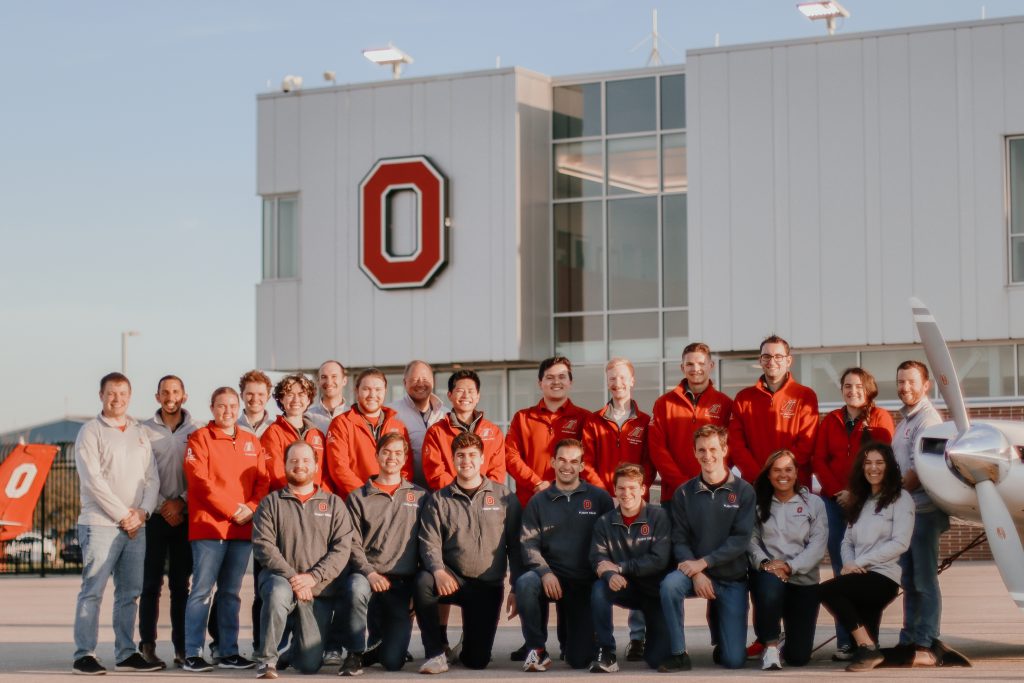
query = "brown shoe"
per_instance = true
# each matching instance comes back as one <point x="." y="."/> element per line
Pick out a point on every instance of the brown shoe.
<point x="148" y="651"/>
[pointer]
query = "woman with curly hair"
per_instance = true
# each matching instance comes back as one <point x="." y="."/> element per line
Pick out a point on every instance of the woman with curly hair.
<point x="880" y="517"/>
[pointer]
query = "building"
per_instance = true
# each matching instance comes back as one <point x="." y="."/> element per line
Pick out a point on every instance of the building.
<point x="806" y="187"/>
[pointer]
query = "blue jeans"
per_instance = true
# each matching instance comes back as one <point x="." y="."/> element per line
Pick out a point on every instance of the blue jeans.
<point x="384" y="615"/>
<point x="107" y="551"/>
<point x="922" y="600"/>
<point x="728" y="611"/>
<point x="220" y="563"/>
<point x="574" y="617"/>
<point x="641" y="594"/>
<point x="836" y="531"/>
<point x="795" y="607"/>
<point x="308" y="619"/>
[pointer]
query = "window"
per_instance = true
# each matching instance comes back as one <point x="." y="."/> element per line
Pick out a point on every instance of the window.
<point x="631" y="106"/>
<point x="1015" y="201"/>
<point x="280" y="238"/>
<point x="673" y="101"/>
<point x="577" y="111"/>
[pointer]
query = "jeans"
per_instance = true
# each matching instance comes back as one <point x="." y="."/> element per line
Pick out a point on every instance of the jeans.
<point x="836" y="531"/>
<point x="257" y="608"/>
<point x="481" y="608"/>
<point x="308" y="619"/>
<point x="637" y="625"/>
<point x="922" y="600"/>
<point x="727" y="615"/>
<point x="859" y="599"/>
<point x="107" y="551"/>
<point x="574" y="617"/>
<point x="641" y="594"/>
<point x="795" y="606"/>
<point x="220" y="563"/>
<point x="165" y="544"/>
<point x="385" y="615"/>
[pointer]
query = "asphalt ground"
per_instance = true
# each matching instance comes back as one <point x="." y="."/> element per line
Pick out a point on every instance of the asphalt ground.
<point x="979" y="619"/>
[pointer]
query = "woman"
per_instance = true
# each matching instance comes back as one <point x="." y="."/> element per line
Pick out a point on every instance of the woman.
<point x="881" y="521"/>
<point x="293" y="394"/>
<point x="840" y="436"/>
<point x="786" y="548"/>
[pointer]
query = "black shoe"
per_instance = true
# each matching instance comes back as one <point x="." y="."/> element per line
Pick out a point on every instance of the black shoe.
<point x="520" y="654"/>
<point x="196" y="665"/>
<point x="675" y="663"/>
<point x="148" y="652"/>
<point x="716" y="655"/>
<point x="408" y="657"/>
<point x="138" y="664"/>
<point x="235" y="662"/>
<point x="371" y="655"/>
<point x="843" y="654"/>
<point x="866" y="658"/>
<point x="88" y="666"/>
<point x="635" y="650"/>
<point x="179" y="659"/>
<point x="353" y="665"/>
<point x="604" y="662"/>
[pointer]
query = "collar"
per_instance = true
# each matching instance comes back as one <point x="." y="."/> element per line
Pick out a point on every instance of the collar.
<point x="318" y="493"/>
<point x="641" y="517"/>
<point x="455" y="423"/>
<point x="129" y="421"/>
<point x="434" y="403"/>
<point x="729" y="483"/>
<point x="562" y="409"/>
<point x="608" y="408"/>
<point x="554" y="493"/>
<point x="369" y="489"/>
<point x="186" y="417"/>
<point x="342" y="407"/>
<point x="910" y="411"/>
<point x="267" y="418"/>
<point x="800" y="496"/>
<point x="218" y="433"/>
<point x="454" y="490"/>
<point x="762" y="382"/>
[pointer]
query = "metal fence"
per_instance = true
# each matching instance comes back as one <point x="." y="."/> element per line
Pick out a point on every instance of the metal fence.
<point x="51" y="545"/>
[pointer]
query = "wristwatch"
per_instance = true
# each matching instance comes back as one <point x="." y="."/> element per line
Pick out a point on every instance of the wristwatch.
<point x="765" y="563"/>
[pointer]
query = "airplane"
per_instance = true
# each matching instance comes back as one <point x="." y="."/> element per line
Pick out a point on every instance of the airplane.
<point x="22" y="475"/>
<point x="973" y="469"/>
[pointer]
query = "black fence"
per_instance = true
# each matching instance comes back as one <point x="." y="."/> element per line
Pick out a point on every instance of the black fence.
<point x="51" y="545"/>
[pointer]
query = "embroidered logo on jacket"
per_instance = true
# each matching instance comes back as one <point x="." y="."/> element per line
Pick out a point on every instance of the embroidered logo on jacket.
<point x="488" y="500"/>
<point x="637" y="432"/>
<point x="569" y="426"/>
<point x="714" y="410"/>
<point x="322" y="506"/>
<point x="410" y="497"/>
<point x="587" y="504"/>
<point x="248" y="449"/>
<point x="645" y="530"/>
<point x="789" y="409"/>
<point x="317" y="441"/>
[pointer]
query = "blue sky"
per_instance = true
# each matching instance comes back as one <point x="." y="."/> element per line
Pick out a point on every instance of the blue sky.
<point x="127" y="154"/>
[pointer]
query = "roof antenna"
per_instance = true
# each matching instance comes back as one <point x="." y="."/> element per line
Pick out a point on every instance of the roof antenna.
<point x="654" y="58"/>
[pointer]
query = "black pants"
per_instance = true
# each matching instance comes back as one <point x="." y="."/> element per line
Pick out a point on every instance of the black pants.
<point x="481" y="608"/>
<point x="575" y="622"/>
<point x="796" y="607"/>
<point x="857" y="600"/>
<point x="166" y="546"/>
<point x="257" y="608"/>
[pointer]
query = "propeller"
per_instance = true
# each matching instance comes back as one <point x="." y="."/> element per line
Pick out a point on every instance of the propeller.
<point x="980" y="453"/>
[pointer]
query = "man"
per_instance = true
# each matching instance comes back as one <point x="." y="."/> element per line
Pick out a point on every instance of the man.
<point x="385" y="553"/>
<point x="119" y="490"/>
<point x="557" y="528"/>
<point x="469" y="538"/>
<point x="922" y="599"/>
<point x="712" y="522"/>
<point x="293" y="394"/>
<point x="418" y="410"/>
<point x="774" y="414"/>
<point x="301" y="536"/>
<point x="332" y="379"/>
<point x="255" y="388"/>
<point x="167" y="531"/>
<point x="679" y="413"/>
<point x="464" y="395"/>
<point x="630" y="553"/>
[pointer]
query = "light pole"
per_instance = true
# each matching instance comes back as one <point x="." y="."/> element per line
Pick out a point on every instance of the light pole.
<point x="124" y="349"/>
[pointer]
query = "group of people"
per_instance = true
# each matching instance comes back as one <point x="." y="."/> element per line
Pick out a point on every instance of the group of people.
<point x="352" y="514"/>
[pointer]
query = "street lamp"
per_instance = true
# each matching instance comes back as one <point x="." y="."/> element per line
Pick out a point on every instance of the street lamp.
<point x="388" y="55"/>
<point x="827" y="10"/>
<point x="124" y="349"/>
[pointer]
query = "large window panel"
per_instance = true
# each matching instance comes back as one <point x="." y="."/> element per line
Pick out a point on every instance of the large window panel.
<point x="579" y="257"/>
<point x="984" y="371"/>
<point x="823" y="372"/>
<point x="677" y="333"/>
<point x="633" y="253"/>
<point x="588" y="386"/>
<point x="738" y="373"/>
<point x="648" y="385"/>
<point x="674" y="267"/>
<point x="673" y="162"/>
<point x="633" y="165"/>
<point x="280" y="238"/>
<point x="1015" y="185"/>
<point x="882" y="365"/>
<point x="634" y="336"/>
<point x="580" y="338"/>
<point x="577" y="111"/>
<point x="578" y="171"/>
<point x="523" y="390"/>
<point x="269" y="239"/>
<point x="673" y="101"/>
<point x="631" y="106"/>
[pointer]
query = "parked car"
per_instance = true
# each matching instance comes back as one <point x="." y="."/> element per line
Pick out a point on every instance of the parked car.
<point x="70" y="549"/>
<point x="31" y="547"/>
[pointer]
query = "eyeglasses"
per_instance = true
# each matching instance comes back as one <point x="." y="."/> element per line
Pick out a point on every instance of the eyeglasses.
<point x="778" y="358"/>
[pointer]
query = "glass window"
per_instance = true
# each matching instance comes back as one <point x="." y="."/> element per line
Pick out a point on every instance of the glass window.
<point x="630" y="105"/>
<point x="738" y="373"/>
<point x="577" y="111"/>
<point x="633" y="165"/>
<point x="673" y="244"/>
<point x="269" y="271"/>
<point x="523" y="390"/>
<point x="634" y="336"/>
<point x="673" y="162"/>
<point x="633" y="253"/>
<point x="822" y="372"/>
<point x="673" y="101"/>
<point x="677" y="334"/>
<point x="1015" y="185"/>
<point x="280" y="238"/>
<point x="580" y="338"/>
<point x="672" y="375"/>
<point x="882" y="365"/>
<point x="588" y="386"/>
<point x="984" y="370"/>
<point x="579" y="170"/>
<point x="492" y="396"/>
<point x="579" y="257"/>
<point x="648" y="385"/>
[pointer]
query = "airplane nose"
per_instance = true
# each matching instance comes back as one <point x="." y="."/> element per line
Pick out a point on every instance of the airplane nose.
<point x="981" y="453"/>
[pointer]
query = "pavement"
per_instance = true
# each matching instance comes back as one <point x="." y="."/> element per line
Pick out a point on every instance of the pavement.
<point x="979" y="619"/>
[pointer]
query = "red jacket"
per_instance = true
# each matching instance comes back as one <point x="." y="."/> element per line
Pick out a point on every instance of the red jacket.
<point x="606" y="445"/>
<point x="670" y="438"/>
<point x="531" y="440"/>
<point x="352" y="449"/>
<point x="835" y="450"/>
<point x="763" y="423"/>
<point x="278" y="437"/>
<point x="438" y="463"/>
<point x="222" y="471"/>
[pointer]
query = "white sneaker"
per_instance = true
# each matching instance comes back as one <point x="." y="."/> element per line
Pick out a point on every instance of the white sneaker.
<point x="435" y="665"/>
<point x="332" y="658"/>
<point x="536" y="661"/>
<point x="770" y="660"/>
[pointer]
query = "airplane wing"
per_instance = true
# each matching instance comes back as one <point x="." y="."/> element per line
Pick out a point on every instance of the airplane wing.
<point x="22" y="475"/>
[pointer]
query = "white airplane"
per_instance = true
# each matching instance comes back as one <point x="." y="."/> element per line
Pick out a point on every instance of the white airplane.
<point x="973" y="470"/>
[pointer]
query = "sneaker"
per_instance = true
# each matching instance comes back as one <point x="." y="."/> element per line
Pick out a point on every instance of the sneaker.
<point x="604" y="662"/>
<point x="353" y="665"/>
<point x="371" y="655"/>
<point x="179" y="659"/>
<point x="520" y="654"/>
<point x="716" y="654"/>
<point x="214" y="653"/>
<point x="866" y="658"/>
<point x="452" y="654"/>
<point x="435" y="665"/>
<point x="235" y="662"/>
<point x="771" y="661"/>
<point x="755" y="649"/>
<point x="843" y="654"/>
<point x="675" y="663"/>
<point x="148" y="652"/>
<point x="266" y="671"/>
<point x="332" y="658"/>
<point x="138" y="664"/>
<point x="196" y="665"/>
<point x="88" y="666"/>
<point x="635" y="650"/>
<point x="537" y="660"/>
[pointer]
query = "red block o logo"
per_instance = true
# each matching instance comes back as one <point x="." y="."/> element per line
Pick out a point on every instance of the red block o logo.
<point x="387" y="176"/>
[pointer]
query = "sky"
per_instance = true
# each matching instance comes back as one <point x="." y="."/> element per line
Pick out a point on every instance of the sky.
<point x="127" y="153"/>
